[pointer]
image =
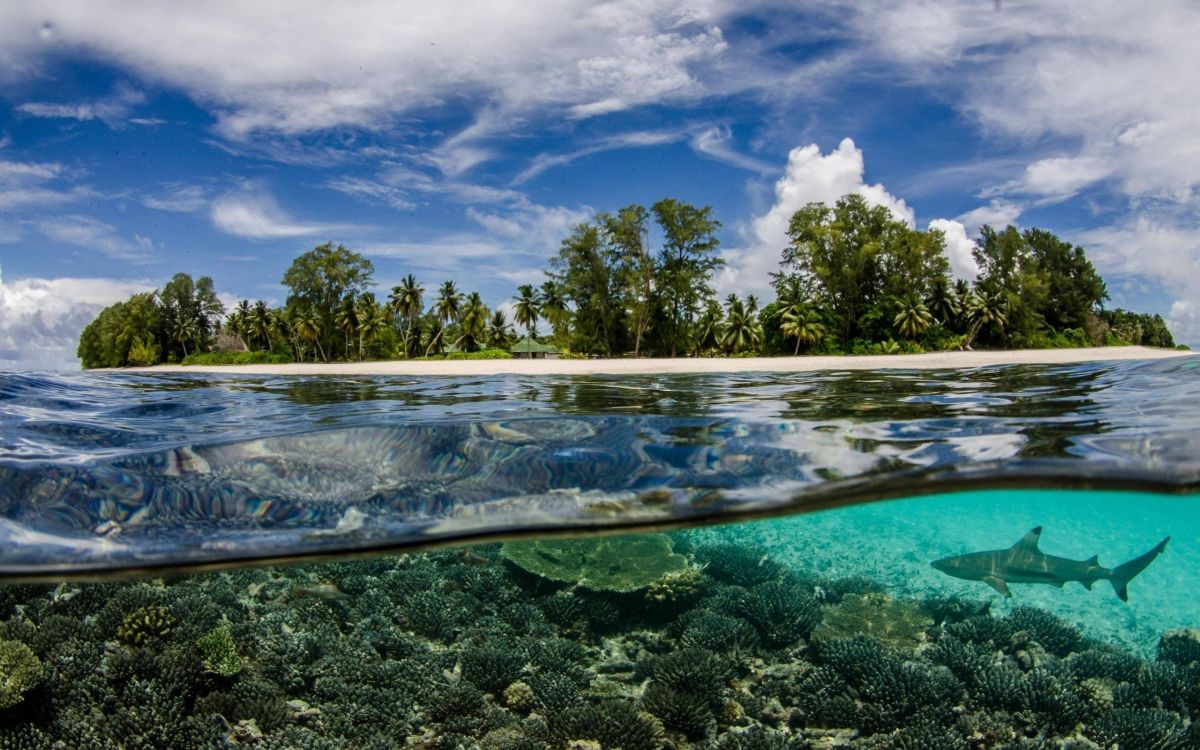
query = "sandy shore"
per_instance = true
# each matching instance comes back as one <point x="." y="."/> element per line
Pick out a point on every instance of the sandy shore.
<point x="931" y="361"/>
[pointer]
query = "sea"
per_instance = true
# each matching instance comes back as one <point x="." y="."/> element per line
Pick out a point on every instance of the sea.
<point x="997" y="557"/>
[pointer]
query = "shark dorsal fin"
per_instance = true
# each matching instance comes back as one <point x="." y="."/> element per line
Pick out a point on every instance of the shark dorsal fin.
<point x="1029" y="542"/>
<point x="1093" y="560"/>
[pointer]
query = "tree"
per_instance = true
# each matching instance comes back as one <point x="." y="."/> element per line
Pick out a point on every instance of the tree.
<point x="448" y="301"/>
<point x="260" y="322"/>
<point x="472" y="323"/>
<point x="708" y="327"/>
<point x="318" y="281"/>
<point x="687" y="261"/>
<point x="124" y="333"/>
<point x="626" y="234"/>
<point x="346" y="319"/>
<point x="499" y="334"/>
<point x="803" y="324"/>
<point x="553" y="306"/>
<point x="585" y="271"/>
<point x="1075" y="290"/>
<point x="526" y="309"/>
<point x="184" y="330"/>
<point x="373" y="320"/>
<point x="984" y="309"/>
<point x="306" y="325"/>
<point x="741" y="332"/>
<point x="408" y="302"/>
<point x="943" y="302"/>
<point x="190" y="306"/>
<point x="914" y="317"/>
<point x="435" y="337"/>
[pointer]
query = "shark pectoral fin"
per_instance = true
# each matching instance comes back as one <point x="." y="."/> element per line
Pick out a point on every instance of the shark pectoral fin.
<point x="997" y="584"/>
<point x="1087" y="583"/>
<point x="1056" y="583"/>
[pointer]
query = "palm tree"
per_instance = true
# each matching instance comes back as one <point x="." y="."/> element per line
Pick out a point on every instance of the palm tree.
<point x="184" y="330"/>
<point x="498" y="333"/>
<point x="473" y="323"/>
<point x="373" y="319"/>
<point x="804" y="324"/>
<point x="280" y="326"/>
<point x="407" y="300"/>
<point x="526" y="309"/>
<point x="984" y="309"/>
<point x="260" y="322"/>
<point x="435" y="337"/>
<point x="235" y="324"/>
<point x="943" y="302"/>
<point x="708" y="327"/>
<point x="448" y="302"/>
<point x="554" y="307"/>
<point x="307" y="326"/>
<point x="741" y="331"/>
<point x="346" y="320"/>
<point x="913" y="319"/>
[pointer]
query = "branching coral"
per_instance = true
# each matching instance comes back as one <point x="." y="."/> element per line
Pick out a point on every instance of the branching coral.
<point x="144" y="624"/>
<point x="898" y="623"/>
<point x="20" y="671"/>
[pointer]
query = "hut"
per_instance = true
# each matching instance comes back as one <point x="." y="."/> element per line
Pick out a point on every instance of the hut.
<point x="527" y="348"/>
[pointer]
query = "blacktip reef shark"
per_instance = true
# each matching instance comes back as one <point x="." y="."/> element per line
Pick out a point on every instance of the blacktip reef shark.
<point x="1025" y="563"/>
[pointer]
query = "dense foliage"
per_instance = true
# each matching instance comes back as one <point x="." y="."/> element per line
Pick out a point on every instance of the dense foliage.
<point x="852" y="279"/>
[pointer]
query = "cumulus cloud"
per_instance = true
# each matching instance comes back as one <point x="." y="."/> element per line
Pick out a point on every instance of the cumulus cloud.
<point x="996" y="213"/>
<point x="1184" y="322"/>
<point x="255" y="215"/>
<point x="810" y="177"/>
<point x="41" y="319"/>
<point x="299" y="66"/>
<point x="958" y="248"/>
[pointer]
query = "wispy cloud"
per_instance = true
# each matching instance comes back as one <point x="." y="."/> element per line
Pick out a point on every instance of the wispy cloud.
<point x="178" y="199"/>
<point x="37" y="184"/>
<point x="112" y="110"/>
<point x="717" y="143"/>
<point x="255" y="215"/>
<point x="373" y="191"/>
<point x="542" y="162"/>
<point x="91" y="233"/>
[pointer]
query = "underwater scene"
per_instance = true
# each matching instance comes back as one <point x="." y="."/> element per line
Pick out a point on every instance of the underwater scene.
<point x="1004" y="557"/>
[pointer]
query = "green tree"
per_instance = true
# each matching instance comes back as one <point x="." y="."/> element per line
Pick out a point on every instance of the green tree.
<point x="190" y="306"/>
<point x="306" y="326"/>
<point x="943" y="302"/>
<point x="585" y="271"/>
<point x="434" y="337"/>
<point x="708" y="327"/>
<point x="407" y="301"/>
<point x="318" y="280"/>
<point x="553" y="305"/>
<point x="373" y="321"/>
<point x="472" y="323"/>
<point x="687" y="261"/>
<point x="260" y="323"/>
<point x="499" y="334"/>
<point x="448" y="302"/>
<point x="526" y="309"/>
<point x="803" y="324"/>
<point x="741" y="332"/>
<point x="914" y="317"/>
<point x="1074" y="290"/>
<point x="124" y="334"/>
<point x="346" y="320"/>
<point x="636" y="268"/>
<point x="185" y="330"/>
<point x="984" y="309"/>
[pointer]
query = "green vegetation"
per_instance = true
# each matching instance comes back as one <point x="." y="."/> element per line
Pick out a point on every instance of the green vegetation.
<point x="852" y="280"/>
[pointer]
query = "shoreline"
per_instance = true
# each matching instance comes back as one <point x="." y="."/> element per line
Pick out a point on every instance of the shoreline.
<point x="649" y="366"/>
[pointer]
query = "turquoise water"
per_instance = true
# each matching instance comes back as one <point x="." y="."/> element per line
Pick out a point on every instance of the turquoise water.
<point x="773" y="588"/>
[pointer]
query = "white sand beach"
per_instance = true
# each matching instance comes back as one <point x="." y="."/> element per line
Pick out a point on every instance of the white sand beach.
<point x="467" y="368"/>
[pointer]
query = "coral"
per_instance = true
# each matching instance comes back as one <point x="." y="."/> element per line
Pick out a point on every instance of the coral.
<point x="492" y="668"/>
<point x="620" y="563"/>
<point x="219" y="652"/>
<point x="738" y="564"/>
<point x="1108" y="664"/>
<point x="965" y="660"/>
<point x="1180" y="646"/>
<point x="702" y="675"/>
<point x="782" y="612"/>
<point x="554" y="692"/>
<point x="519" y="696"/>
<point x="759" y="738"/>
<point x="982" y="630"/>
<point x="611" y="722"/>
<point x="681" y="587"/>
<point x="900" y="624"/>
<point x="1052" y="633"/>
<point x="1140" y="728"/>
<point x="562" y="608"/>
<point x="144" y="624"/>
<point x="679" y="710"/>
<point x="714" y="631"/>
<point x="20" y="671"/>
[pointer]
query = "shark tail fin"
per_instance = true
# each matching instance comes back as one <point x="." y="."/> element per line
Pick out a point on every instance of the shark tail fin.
<point x="1125" y="572"/>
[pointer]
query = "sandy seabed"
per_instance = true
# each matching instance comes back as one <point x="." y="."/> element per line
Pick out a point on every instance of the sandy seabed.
<point x="648" y="366"/>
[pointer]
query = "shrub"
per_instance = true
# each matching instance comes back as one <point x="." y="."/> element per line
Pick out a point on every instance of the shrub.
<point x="236" y="358"/>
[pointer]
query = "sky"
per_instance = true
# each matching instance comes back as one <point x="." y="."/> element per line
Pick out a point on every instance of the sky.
<point x="464" y="140"/>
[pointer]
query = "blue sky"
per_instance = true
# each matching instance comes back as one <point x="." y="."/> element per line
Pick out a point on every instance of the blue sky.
<point x="141" y="139"/>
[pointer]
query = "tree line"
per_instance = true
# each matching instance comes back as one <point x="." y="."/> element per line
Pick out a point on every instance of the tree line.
<point x="852" y="279"/>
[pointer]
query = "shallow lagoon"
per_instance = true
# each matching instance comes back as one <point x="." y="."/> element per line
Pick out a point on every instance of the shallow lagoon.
<point x="825" y="628"/>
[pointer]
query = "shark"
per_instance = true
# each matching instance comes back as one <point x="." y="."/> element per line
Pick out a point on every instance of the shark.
<point x="1024" y="562"/>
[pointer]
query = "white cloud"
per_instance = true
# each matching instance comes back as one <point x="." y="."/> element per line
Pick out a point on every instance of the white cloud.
<point x="1062" y="177"/>
<point x="717" y="143"/>
<point x="91" y="233"/>
<point x="35" y="184"/>
<point x="297" y="66"/>
<point x="533" y="227"/>
<point x="113" y="110"/>
<point x="41" y="319"/>
<point x="1184" y="322"/>
<point x="996" y="213"/>
<point x="542" y="162"/>
<point x="254" y="214"/>
<point x="810" y="177"/>
<point x="958" y="248"/>
<point x="178" y="199"/>
<point x="372" y="191"/>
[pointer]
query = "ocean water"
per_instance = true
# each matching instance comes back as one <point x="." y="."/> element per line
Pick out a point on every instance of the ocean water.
<point x="515" y="563"/>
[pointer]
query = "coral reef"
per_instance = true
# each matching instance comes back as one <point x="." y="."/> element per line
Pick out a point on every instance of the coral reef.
<point x="712" y="647"/>
<point x="624" y="563"/>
